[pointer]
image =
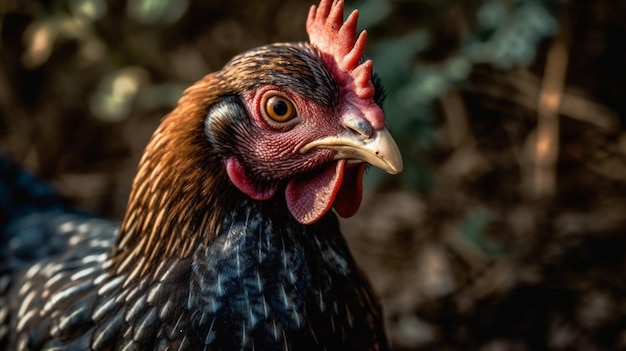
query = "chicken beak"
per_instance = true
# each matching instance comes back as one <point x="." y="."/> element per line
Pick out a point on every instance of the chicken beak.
<point x="379" y="149"/>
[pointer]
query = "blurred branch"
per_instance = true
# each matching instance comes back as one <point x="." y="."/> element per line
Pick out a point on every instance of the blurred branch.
<point x="466" y="159"/>
<point x="544" y="144"/>
<point x="575" y="104"/>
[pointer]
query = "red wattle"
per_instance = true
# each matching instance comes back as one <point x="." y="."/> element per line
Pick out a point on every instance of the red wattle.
<point x="309" y="198"/>
<point x="348" y="199"/>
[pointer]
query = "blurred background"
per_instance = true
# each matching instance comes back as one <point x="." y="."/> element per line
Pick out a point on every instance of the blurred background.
<point x="506" y="231"/>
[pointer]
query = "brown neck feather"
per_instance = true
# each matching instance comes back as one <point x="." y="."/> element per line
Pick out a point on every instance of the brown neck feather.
<point x="174" y="206"/>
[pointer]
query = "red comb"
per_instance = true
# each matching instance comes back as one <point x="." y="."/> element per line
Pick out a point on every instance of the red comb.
<point x="342" y="48"/>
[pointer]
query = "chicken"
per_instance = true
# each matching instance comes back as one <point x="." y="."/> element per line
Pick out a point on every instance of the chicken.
<point x="229" y="240"/>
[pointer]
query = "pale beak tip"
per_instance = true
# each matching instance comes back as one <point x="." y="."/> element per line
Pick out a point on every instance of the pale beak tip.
<point x="393" y="170"/>
<point x="394" y="167"/>
<point x="389" y="153"/>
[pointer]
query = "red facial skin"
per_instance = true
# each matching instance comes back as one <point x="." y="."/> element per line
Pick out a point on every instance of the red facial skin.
<point x="315" y="181"/>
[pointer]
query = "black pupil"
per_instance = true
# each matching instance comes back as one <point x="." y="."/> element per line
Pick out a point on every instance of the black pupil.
<point x="280" y="108"/>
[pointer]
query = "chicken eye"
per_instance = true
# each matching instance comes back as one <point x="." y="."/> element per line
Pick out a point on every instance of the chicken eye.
<point x="279" y="108"/>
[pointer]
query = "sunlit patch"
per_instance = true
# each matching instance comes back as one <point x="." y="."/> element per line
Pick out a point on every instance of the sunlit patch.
<point x="67" y="227"/>
<point x="116" y="93"/>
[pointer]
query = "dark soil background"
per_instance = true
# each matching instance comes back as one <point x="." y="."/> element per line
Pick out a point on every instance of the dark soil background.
<point x="507" y="229"/>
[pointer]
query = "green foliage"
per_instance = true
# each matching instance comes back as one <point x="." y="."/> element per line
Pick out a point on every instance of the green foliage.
<point x="86" y="24"/>
<point x="157" y="11"/>
<point x="500" y="33"/>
